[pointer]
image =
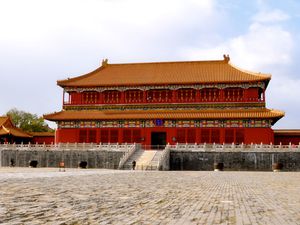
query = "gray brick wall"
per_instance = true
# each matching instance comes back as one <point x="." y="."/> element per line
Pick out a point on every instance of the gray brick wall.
<point x="235" y="161"/>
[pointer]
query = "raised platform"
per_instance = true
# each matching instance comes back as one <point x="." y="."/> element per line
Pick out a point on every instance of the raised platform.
<point x="173" y="157"/>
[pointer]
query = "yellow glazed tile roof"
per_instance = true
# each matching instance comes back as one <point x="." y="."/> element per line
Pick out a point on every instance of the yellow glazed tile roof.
<point x="164" y="114"/>
<point x="13" y="131"/>
<point x="3" y="120"/>
<point x="287" y="132"/>
<point x="6" y="127"/>
<point x="42" y="134"/>
<point x="160" y="73"/>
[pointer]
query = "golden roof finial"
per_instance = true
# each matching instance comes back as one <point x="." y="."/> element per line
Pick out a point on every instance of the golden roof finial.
<point x="226" y="58"/>
<point x="104" y="62"/>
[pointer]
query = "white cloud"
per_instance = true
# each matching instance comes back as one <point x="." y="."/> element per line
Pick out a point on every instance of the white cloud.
<point x="259" y="48"/>
<point x="275" y="15"/>
<point x="283" y="93"/>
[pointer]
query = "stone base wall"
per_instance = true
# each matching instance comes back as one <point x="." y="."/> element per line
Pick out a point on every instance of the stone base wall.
<point x="234" y="161"/>
<point x="71" y="159"/>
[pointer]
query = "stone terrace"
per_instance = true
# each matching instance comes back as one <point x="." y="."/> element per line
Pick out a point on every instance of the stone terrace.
<point x="46" y="196"/>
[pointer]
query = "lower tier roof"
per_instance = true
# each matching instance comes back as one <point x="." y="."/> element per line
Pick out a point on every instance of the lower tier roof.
<point x="165" y="114"/>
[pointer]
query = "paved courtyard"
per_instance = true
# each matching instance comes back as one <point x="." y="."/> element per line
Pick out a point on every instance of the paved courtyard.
<point x="46" y="196"/>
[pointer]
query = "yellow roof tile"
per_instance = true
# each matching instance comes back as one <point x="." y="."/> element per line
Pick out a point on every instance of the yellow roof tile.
<point x="164" y="114"/>
<point x="159" y="73"/>
<point x="7" y="127"/>
<point x="13" y="131"/>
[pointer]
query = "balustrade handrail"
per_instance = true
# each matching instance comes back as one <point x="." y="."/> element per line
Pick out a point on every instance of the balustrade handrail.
<point x="125" y="147"/>
<point x="127" y="155"/>
<point x="164" y="157"/>
<point x="67" y="146"/>
<point x="235" y="147"/>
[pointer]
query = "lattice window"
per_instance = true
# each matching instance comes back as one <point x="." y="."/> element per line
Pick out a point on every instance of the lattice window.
<point x="127" y="136"/>
<point x="136" y="136"/>
<point x="191" y="136"/>
<point x="90" y="97"/>
<point x="159" y="96"/>
<point x="181" y="136"/>
<point x="82" y="136"/>
<point x="92" y="136"/>
<point x="233" y="94"/>
<point x="215" y="135"/>
<point x="229" y="136"/>
<point x="104" y="135"/>
<point x="205" y="133"/>
<point x="186" y="95"/>
<point x="240" y="136"/>
<point x="111" y="97"/>
<point x="134" y="96"/>
<point x="210" y="94"/>
<point x="114" y="134"/>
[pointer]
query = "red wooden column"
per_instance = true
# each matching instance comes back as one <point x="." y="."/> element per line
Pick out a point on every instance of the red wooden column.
<point x="145" y="96"/>
<point x="222" y="95"/>
<point x="122" y="97"/>
<point x="264" y="95"/>
<point x="63" y="100"/>
<point x="174" y="96"/>
<point x="100" y="97"/>
<point x="198" y="95"/>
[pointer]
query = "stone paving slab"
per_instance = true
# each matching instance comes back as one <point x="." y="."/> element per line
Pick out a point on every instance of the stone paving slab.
<point x="46" y="196"/>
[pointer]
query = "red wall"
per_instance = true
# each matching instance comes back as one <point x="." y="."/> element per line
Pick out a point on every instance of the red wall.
<point x="249" y="135"/>
<point x="42" y="140"/>
<point x="287" y="139"/>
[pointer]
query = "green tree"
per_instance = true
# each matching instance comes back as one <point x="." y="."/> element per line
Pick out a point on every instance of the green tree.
<point x="27" y="121"/>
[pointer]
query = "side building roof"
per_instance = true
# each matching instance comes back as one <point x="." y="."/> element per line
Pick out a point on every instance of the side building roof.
<point x="165" y="73"/>
<point x="7" y="127"/>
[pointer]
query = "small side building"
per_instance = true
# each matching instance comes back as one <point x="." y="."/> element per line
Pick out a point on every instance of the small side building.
<point x="287" y="136"/>
<point x="43" y="137"/>
<point x="9" y="133"/>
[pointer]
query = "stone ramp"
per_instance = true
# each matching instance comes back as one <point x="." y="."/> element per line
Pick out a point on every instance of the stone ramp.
<point x="145" y="160"/>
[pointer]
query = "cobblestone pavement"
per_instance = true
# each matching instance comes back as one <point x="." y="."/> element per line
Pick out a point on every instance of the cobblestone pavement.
<point x="46" y="196"/>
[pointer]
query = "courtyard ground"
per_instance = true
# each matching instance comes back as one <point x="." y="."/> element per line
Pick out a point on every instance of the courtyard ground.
<point x="77" y="196"/>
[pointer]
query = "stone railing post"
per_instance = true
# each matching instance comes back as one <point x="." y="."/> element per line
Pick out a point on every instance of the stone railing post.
<point x="164" y="160"/>
<point x="271" y="146"/>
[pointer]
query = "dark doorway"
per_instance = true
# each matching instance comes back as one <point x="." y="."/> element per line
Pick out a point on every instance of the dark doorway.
<point x="158" y="140"/>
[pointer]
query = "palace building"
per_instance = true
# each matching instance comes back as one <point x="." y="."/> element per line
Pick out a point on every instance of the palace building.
<point x="166" y="102"/>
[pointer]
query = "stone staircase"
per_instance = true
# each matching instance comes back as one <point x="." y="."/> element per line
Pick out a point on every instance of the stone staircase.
<point x="145" y="160"/>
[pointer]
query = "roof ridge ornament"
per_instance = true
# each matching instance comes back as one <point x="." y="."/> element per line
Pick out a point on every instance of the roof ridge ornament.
<point x="104" y="62"/>
<point x="226" y="58"/>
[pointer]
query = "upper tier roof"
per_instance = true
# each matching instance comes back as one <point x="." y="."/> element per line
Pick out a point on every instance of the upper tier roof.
<point x="160" y="73"/>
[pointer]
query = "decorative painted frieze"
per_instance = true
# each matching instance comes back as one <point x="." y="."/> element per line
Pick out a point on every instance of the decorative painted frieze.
<point x="166" y="123"/>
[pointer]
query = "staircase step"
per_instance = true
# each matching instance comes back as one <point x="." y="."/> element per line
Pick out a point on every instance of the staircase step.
<point x="145" y="160"/>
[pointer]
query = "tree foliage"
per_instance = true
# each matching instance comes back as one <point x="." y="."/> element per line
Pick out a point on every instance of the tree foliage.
<point x="27" y="121"/>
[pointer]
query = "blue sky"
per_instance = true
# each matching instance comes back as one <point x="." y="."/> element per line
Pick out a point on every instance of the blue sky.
<point x="42" y="41"/>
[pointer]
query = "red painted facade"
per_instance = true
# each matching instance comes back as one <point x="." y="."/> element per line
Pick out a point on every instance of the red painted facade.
<point x="184" y="95"/>
<point x="173" y="135"/>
